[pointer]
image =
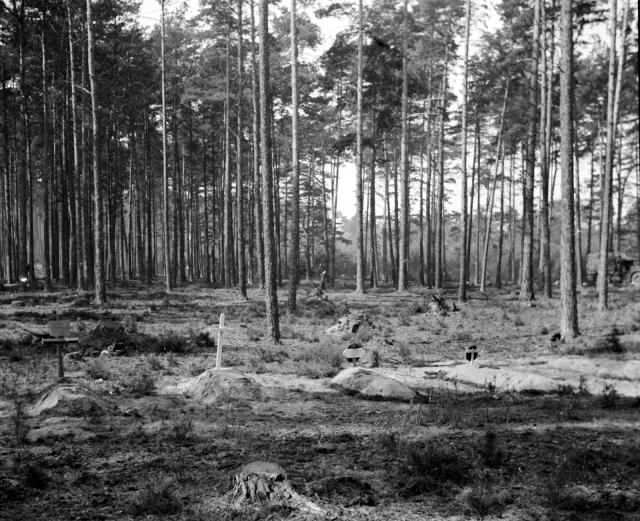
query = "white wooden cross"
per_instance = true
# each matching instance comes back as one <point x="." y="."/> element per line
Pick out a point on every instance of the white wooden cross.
<point x="221" y="328"/>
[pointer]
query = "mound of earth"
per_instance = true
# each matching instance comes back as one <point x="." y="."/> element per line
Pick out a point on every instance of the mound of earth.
<point x="503" y="379"/>
<point x="369" y="384"/>
<point x="67" y="400"/>
<point x="221" y="386"/>
<point x="351" y="323"/>
<point x="58" y="428"/>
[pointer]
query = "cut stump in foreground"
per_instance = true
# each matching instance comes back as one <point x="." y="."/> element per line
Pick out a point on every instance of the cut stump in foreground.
<point x="262" y="481"/>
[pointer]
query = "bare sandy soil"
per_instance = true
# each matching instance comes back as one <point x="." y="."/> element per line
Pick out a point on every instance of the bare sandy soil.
<point x="534" y="430"/>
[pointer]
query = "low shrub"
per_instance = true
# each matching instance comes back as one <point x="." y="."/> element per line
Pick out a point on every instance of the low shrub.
<point x="157" y="498"/>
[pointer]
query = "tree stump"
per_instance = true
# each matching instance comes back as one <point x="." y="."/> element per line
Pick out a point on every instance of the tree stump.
<point x="261" y="481"/>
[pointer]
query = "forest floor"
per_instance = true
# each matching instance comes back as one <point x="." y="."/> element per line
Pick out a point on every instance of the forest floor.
<point x="536" y="429"/>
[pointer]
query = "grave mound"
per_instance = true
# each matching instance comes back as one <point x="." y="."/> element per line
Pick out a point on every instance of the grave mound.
<point x="369" y="384"/>
<point x="352" y="322"/>
<point x="67" y="400"/>
<point x="216" y="386"/>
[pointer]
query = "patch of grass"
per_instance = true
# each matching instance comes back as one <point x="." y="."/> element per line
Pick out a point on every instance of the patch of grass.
<point x="171" y="344"/>
<point x="138" y="381"/>
<point x="609" y="399"/>
<point x="156" y="498"/>
<point x="254" y="334"/>
<point x="490" y="450"/>
<point x="270" y="355"/>
<point x="483" y="499"/>
<point x="405" y="352"/>
<point x="322" y="360"/>
<point x="432" y="468"/>
<point x="97" y="369"/>
<point x="154" y="363"/>
<point x="180" y="430"/>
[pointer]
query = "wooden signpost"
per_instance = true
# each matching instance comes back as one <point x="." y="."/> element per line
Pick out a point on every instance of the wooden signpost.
<point x="221" y="328"/>
<point x="60" y="331"/>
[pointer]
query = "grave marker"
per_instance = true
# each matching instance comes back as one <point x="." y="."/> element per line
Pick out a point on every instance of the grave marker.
<point x="471" y="354"/>
<point x="353" y="354"/>
<point x="221" y="328"/>
<point x="60" y="330"/>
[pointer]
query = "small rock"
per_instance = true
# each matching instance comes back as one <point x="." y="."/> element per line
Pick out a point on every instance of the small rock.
<point x="17" y="304"/>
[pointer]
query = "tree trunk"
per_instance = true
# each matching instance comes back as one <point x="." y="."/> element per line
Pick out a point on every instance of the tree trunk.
<point x="462" y="287"/>
<point x="526" y="289"/>
<point x="605" y="222"/>
<point x="267" y="179"/>
<point x="242" y="260"/>
<point x="403" y="262"/>
<point x="545" y="128"/>
<point x="568" y="302"/>
<point x="295" y="168"/>
<point x="100" y="290"/>
<point x="359" y="192"/>
<point x="165" y="177"/>
<point x="256" y="152"/>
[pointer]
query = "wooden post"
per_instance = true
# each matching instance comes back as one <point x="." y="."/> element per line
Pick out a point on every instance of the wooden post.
<point x="60" y="362"/>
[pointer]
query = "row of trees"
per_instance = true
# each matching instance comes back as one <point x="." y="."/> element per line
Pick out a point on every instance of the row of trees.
<point x="209" y="150"/>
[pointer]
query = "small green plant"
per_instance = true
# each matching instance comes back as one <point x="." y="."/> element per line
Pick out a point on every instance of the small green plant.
<point x="181" y="430"/>
<point x="270" y="355"/>
<point x="154" y="363"/>
<point x="556" y="483"/>
<point x="490" y="451"/>
<point x="405" y="351"/>
<point x="610" y="399"/>
<point x="156" y="498"/>
<point x="97" y="369"/>
<point x="433" y="468"/>
<point x="171" y="344"/>
<point x="139" y="381"/>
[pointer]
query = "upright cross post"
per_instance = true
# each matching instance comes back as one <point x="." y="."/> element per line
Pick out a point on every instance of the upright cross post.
<point x="219" y="353"/>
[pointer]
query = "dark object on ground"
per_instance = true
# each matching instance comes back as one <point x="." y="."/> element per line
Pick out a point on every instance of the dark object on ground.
<point x="556" y="337"/>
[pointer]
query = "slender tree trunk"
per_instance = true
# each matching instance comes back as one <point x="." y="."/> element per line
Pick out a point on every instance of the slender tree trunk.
<point x="46" y="176"/>
<point x="359" y="192"/>
<point x="100" y="290"/>
<point x="501" y="228"/>
<point x="568" y="301"/>
<point x="295" y="167"/>
<point x="256" y="152"/>
<point x="267" y="179"/>
<point x="403" y="263"/>
<point x="242" y="260"/>
<point x="439" y="250"/>
<point x="545" y="123"/>
<point x="165" y="176"/>
<point x="526" y="290"/>
<point x="228" y="213"/>
<point x="472" y="194"/>
<point x="606" y="198"/>
<point x="464" y="254"/>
